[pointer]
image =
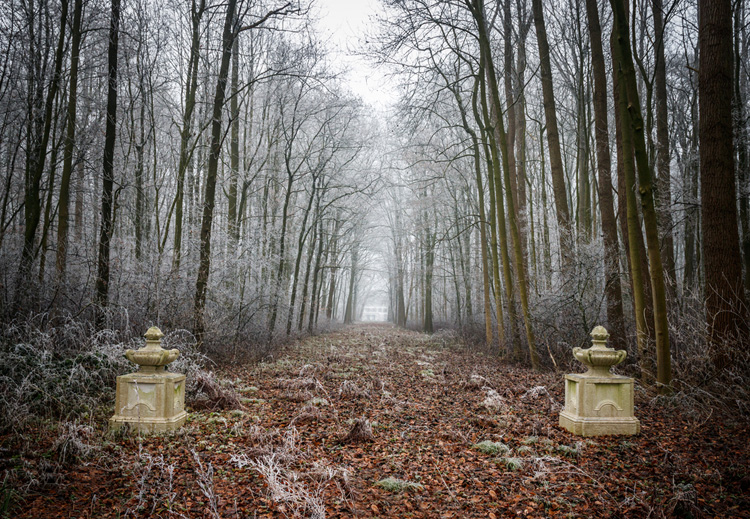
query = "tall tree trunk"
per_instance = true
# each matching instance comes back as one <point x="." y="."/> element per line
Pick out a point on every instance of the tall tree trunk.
<point x="483" y="246"/>
<point x="482" y="217"/>
<point x="726" y="310"/>
<point x="613" y="288"/>
<point x="204" y="266"/>
<point x="498" y="236"/>
<point x="741" y="132"/>
<point x="428" y="326"/>
<point x="106" y="227"/>
<point x="545" y="225"/>
<point x="485" y="49"/>
<point x="48" y="212"/>
<point x="333" y="245"/>
<point x="315" y="291"/>
<point x="35" y="170"/>
<point x="664" y="178"/>
<point x="351" y="303"/>
<point x="140" y="202"/>
<point x="553" y="141"/>
<point x="692" y="213"/>
<point x="634" y="118"/>
<point x="633" y="231"/>
<point x="234" y="147"/>
<point x="186" y="152"/>
<point x="308" y="268"/>
<point x="304" y="231"/>
<point x="282" y="260"/>
<point x="63" y="214"/>
<point x="524" y="214"/>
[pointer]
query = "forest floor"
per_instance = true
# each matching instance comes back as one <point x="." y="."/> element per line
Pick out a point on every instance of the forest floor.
<point x="427" y="402"/>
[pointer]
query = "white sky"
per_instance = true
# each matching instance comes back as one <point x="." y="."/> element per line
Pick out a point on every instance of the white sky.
<point x="345" y="23"/>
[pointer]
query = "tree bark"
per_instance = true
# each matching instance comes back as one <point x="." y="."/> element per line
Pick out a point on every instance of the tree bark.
<point x="186" y="151"/>
<point x="553" y="141"/>
<point x="634" y="119"/>
<point x="106" y="227"/>
<point x="234" y="147"/>
<point x="741" y="132"/>
<point x="204" y="266"/>
<point x="63" y="214"/>
<point x="485" y="49"/>
<point x="664" y="178"/>
<point x="35" y="170"/>
<point x="726" y="310"/>
<point x="613" y="287"/>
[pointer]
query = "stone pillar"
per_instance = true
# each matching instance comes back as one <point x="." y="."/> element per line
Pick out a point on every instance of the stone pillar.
<point x="152" y="399"/>
<point x="597" y="402"/>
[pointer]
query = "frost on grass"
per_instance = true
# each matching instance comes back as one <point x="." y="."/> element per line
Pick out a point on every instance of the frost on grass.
<point x="154" y="479"/>
<point x="538" y="392"/>
<point x="300" y="492"/>
<point x="349" y="389"/>
<point x="205" y="479"/>
<point x="427" y="374"/>
<point x="511" y="463"/>
<point x="490" y="447"/>
<point x="73" y="442"/>
<point x="524" y="449"/>
<point x="399" y="485"/>
<point x="567" y="450"/>
<point x="475" y="382"/>
<point x="309" y="413"/>
<point x="299" y="383"/>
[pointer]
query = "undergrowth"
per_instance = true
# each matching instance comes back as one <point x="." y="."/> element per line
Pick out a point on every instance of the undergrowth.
<point x="68" y="372"/>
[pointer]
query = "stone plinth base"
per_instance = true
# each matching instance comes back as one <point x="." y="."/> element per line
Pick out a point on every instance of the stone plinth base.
<point x="598" y="406"/>
<point x="150" y="402"/>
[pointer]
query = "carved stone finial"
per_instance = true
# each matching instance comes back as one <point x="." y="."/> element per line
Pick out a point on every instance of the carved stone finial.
<point x="152" y="357"/>
<point x="599" y="358"/>
<point x="153" y="334"/>
<point x="599" y="334"/>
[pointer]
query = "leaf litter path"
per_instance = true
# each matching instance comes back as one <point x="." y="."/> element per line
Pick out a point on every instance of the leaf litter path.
<point x="429" y="402"/>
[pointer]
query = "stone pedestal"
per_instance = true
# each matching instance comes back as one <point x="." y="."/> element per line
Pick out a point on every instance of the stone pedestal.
<point x="151" y="400"/>
<point x="597" y="402"/>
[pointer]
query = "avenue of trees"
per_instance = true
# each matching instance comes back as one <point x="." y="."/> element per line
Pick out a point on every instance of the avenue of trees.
<point x="574" y="163"/>
<point x="548" y="166"/>
<point x="184" y="162"/>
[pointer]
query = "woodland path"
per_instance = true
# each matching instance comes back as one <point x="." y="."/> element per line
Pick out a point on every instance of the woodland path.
<point x="429" y="401"/>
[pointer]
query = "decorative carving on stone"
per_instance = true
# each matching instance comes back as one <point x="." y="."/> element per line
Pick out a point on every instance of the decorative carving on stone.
<point x="151" y="399"/>
<point x="599" y="402"/>
<point x="152" y="357"/>
<point x="599" y="358"/>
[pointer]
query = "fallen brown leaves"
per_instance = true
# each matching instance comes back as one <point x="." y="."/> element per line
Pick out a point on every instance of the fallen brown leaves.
<point x="427" y="403"/>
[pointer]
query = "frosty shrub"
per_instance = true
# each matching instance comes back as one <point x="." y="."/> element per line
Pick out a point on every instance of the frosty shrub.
<point x="73" y="442"/>
<point x="69" y="370"/>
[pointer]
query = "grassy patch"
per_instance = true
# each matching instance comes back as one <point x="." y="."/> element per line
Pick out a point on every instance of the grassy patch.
<point x="399" y="485"/>
<point x="490" y="447"/>
<point x="512" y="464"/>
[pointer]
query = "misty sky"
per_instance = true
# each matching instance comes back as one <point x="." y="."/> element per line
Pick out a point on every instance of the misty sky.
<point x="344" y="23"/>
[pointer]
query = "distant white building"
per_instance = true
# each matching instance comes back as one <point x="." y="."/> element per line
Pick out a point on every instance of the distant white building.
<point x="375" y="313"/>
